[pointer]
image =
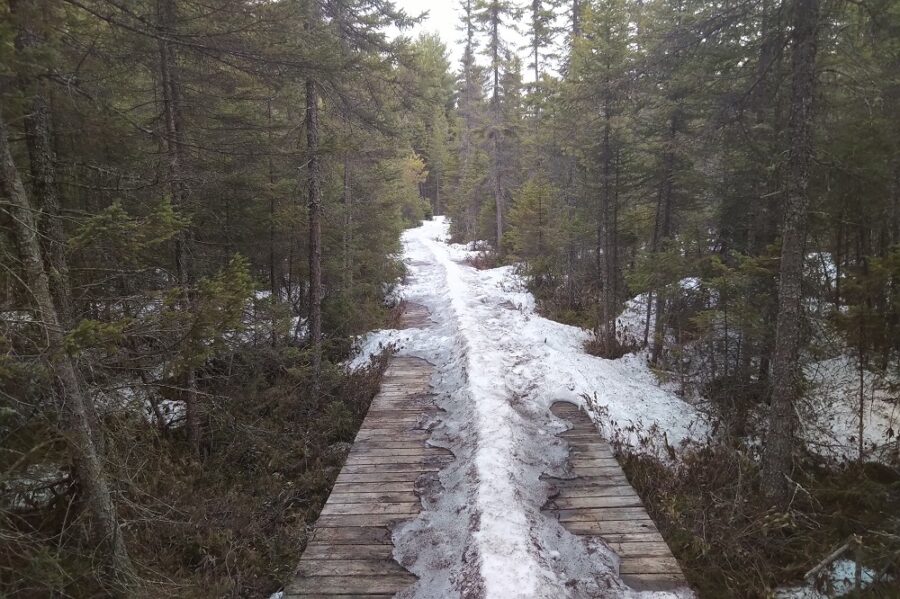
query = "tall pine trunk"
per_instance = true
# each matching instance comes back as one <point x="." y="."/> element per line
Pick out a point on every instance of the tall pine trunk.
<point x="314" y="188"/>
<point x="495" y="129"/>
<point x="173" y="129"/>
<point x="348" y="227"/>
<point x="786" y="371"/>
<point x="72" y="399"/>
<point x="42" y="161"/>
<point x="606" y="238"/>
<point x="662" y="233"/>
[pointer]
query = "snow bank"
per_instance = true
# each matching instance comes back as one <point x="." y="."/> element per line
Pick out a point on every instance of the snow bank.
<point x="830" y="411"/>
<point x="839" y="580"/>
<point x="499" y="368"/>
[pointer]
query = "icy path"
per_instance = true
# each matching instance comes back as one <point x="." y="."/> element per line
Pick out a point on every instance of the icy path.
<point x="499" y="368"/>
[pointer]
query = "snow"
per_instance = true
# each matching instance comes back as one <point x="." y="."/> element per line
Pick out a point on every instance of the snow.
<point x="499" y="368"/>
<point x="17" y="317"/>
<point x="839" y="581"/>
<point x="34" y="488"/>
<point x="830" y="411"/>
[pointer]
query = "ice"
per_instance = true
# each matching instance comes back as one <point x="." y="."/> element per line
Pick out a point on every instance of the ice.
<point x="499" y="368"/>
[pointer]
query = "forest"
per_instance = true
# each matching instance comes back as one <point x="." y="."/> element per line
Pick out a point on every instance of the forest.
<point x="203" y="215"/>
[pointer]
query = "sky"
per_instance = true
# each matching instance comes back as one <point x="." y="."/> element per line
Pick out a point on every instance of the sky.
<point x="443" y="18"/>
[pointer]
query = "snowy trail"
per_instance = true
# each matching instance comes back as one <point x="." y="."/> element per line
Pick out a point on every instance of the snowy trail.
<point x="499" y="368"/>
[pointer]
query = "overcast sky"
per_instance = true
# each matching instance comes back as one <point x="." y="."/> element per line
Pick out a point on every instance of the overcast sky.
<point x="443" y="18"/>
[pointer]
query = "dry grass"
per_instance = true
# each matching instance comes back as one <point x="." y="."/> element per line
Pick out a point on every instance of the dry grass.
<point x="231" y="523"/>
<point x="731" y="544"/>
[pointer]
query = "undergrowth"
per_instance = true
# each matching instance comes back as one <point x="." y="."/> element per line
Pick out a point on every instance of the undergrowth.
<point x="230" y="523"/>
<point x="730" y="544"/>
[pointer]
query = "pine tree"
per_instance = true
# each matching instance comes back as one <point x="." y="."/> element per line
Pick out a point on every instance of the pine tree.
<point x="786" y="374"/>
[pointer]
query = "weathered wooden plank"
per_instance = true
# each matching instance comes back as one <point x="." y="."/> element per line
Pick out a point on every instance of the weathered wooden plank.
<point x="592" y="445"/>
<point x="396" y="509"/>
<point x="602" y="514"/>
<point x="349" y="567"/>
<point x="403" y="406"/>
<point x="410" y="386"/>
<point x="379" y="436"/>
<point x="420" y="467"/>
<point x="347" y="497"/>
<point x="654" y="582"/>
<point x="395" y="433"/>
<point x="388" y="444"/>
<point x="377" y="477"/>
<point x="391" y="452"/>
<point x="304" y="595"/>
<point x="426" y="454"/>
<point x="640" y="549"/>
<point x="396" y="423"/>
<point x="625" y="500"/>
<point x="611" y="527"/>
<point x="649" y="536"/>
<point x="650" y="565"/>
<point x="615" y="489"/>
<point x="374" y="487"/>
<point x="331" y="551"/>
<point x="589" y="481"/>
<point x="343" y="585"/>
<point x="352" y="535"/>
<point x="424" y="458"/>
<point x="578" y="463"/>
<point x="591" y="454"/>
<point x="366" y="520"/>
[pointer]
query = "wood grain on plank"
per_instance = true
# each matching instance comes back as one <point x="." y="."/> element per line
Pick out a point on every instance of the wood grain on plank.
<point x="598" y="501"/>
<point x="350" y="552"/>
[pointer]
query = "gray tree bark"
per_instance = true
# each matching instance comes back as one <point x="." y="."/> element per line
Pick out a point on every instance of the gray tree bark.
<point x="173" y="126"/>
<point x="786" y="370"/>
<point x="72" y="398"/>
<point x="314" y="188"/>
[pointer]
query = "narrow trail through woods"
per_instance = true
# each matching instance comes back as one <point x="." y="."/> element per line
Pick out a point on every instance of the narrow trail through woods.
<point x="499" y="368"/>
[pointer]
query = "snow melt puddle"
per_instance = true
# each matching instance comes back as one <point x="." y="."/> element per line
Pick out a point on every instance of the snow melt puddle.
<point x="499" y="367"/>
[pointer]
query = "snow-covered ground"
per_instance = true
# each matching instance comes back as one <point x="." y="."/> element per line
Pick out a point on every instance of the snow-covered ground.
<point x="499" y="367"/>
<point x="838" y="580"/>
<point x="831" y="409"/>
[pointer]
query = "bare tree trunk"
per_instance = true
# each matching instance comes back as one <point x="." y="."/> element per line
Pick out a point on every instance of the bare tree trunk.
<point x="273" y="278"/>
<point x="576" y="19"/>
<point x="606" y="239"/>
<point x="72" y="398"/>
<point x="498" y="190"/>
<point x="42" y="161"/>
<point x="438" y="209"/>
<point x="536" y="41"/>
<point x="314" y="187"/>
<point x="42" y="157"/>
<point x="664" y="224"/>
<point x="348" y="227"/>
<point x="174" y="143"/>
<point x="495" y="132"/>
<point x="786" y="371"/>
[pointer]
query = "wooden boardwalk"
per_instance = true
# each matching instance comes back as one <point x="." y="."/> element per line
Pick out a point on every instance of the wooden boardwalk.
<point x="350" y="550"/>
<point x="599" y="501"/>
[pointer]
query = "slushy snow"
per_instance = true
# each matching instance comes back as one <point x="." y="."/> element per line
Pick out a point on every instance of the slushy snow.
<point x="499" y="368"/>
